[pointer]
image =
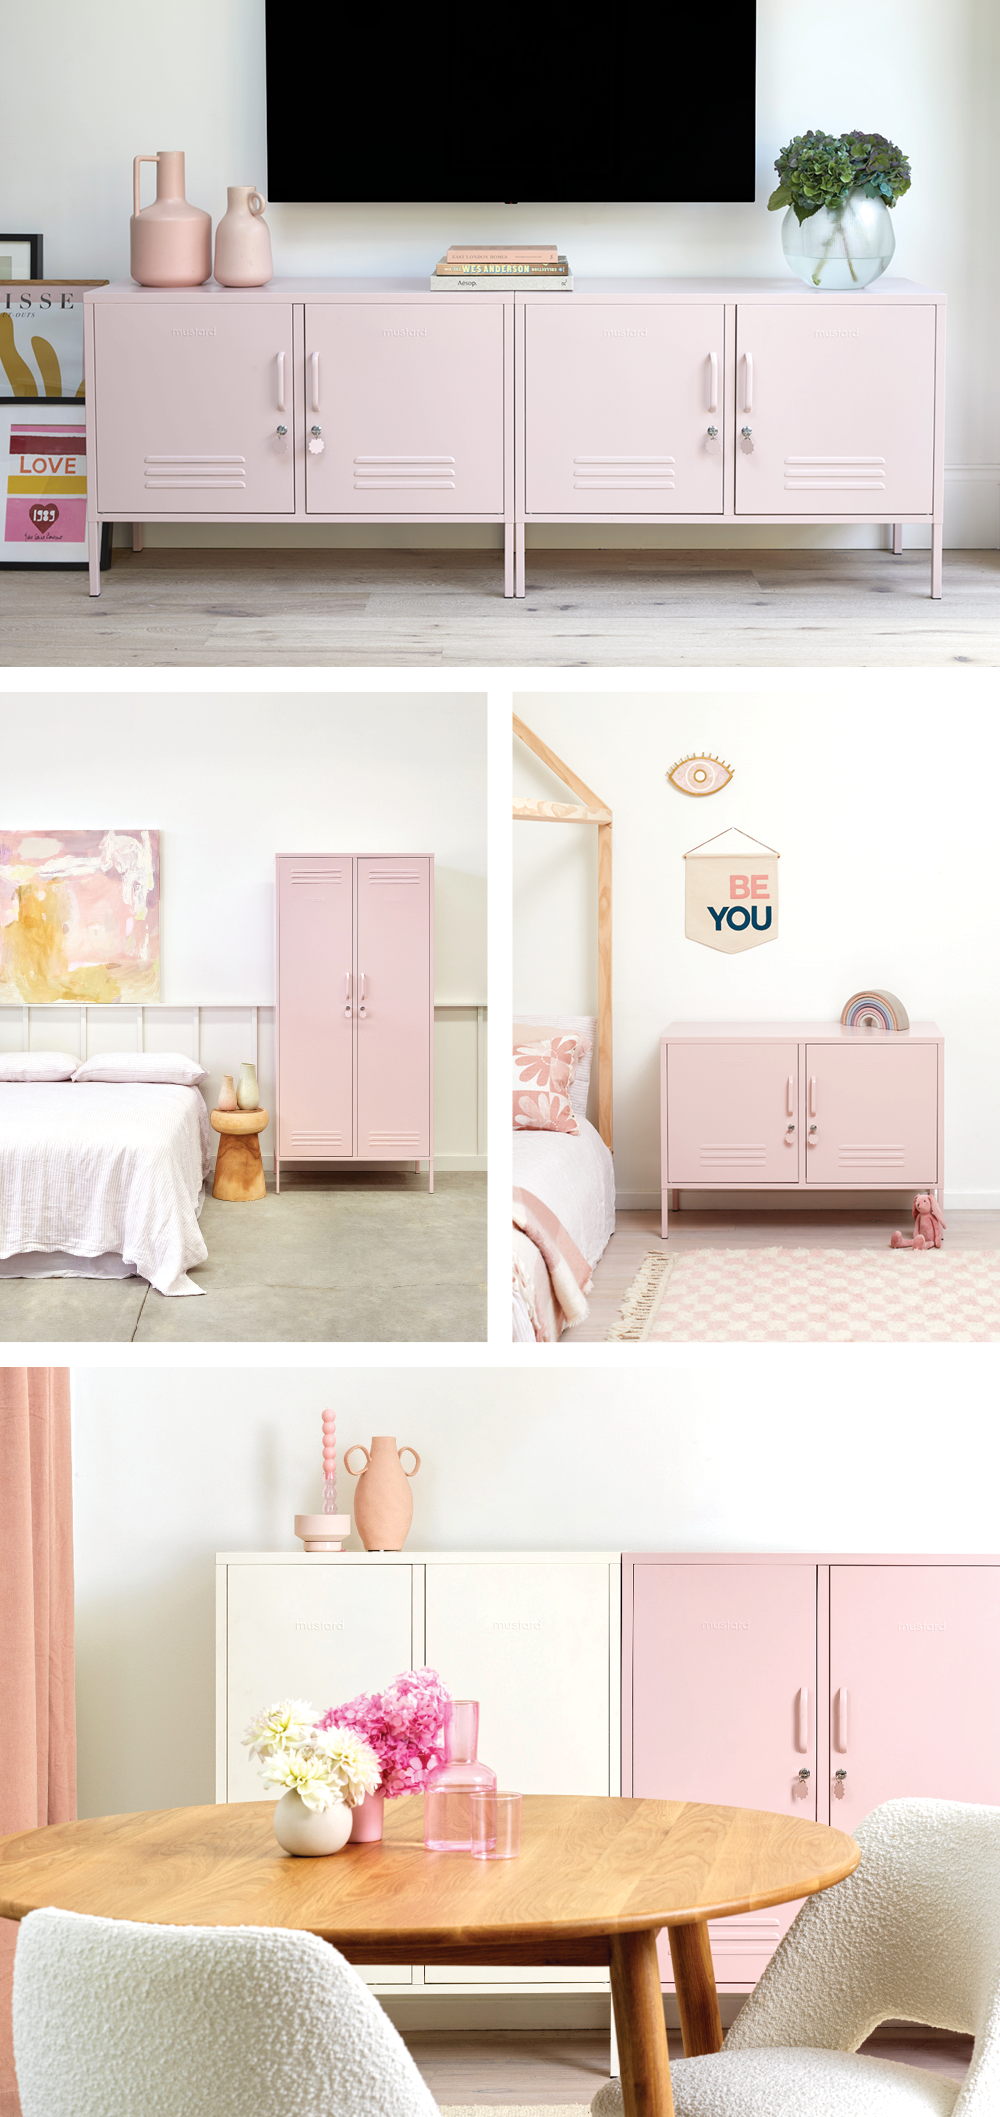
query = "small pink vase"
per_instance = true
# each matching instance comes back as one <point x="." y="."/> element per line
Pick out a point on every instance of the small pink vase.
<point x="227" y="1094"/>
<point x="366" y="1828"/>
<point x="170" y="241"/>
<point x="242" y="242"/>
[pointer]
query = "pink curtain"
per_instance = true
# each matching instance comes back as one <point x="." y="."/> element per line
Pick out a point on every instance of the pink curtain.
<point x="37" y="1726"/>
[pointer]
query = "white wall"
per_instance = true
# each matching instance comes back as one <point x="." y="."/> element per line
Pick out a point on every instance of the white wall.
<point x="736" y="1448"/>
<point x="119" y="79"/>
<point x="880" y="797"/>
<point x="230" y="780"/>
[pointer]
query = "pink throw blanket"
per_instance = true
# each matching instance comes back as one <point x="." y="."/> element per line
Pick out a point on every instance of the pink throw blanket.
<point x="565" y="1275"/>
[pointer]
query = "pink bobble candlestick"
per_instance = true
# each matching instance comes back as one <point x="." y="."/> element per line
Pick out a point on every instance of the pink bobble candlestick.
<point x="326" y="1531"/>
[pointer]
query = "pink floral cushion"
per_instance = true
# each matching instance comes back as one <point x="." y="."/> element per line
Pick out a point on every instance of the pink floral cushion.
<point x="543" y="1073"/>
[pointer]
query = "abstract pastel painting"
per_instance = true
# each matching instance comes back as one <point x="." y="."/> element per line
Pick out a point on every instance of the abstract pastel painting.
<point x="79" y="915"/>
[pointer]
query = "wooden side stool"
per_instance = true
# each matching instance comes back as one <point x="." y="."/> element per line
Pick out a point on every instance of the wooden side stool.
<point x="239" y="1170"/>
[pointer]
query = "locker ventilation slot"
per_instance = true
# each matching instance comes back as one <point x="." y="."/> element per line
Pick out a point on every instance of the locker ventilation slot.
<point x="731" y="1157"/>
<point x="317" y="1142"/>
<point x="195" y="473"/>
<point x="412" y="473"/>
<point x="634" y="473"/>
<point x="382" y="875"/>
<point x="316" y="874"/>
<point x="834" y="473"/>
<point x="738" y="1936"/>
<point x="871" y="1157"/>
<point x="410" y="1140"/>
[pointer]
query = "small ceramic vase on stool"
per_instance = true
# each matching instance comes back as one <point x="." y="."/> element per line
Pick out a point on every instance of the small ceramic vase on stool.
<point x="227" y="1094"/>
<point x="383" y="1502"/>
<point x="242" y="240"/>
<point x="248" y="1093"/>
<point x="170" y="241"/>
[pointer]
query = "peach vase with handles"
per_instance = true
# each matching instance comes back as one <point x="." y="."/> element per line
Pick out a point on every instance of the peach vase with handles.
<point x="243" y="240"/>
<point x="383" y="1502"/>
<point x="171" y="241"/>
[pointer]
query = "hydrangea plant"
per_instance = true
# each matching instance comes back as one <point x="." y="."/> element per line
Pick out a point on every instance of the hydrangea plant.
<point x="405" y="1727"/>
<point x="299" y="1753"/>
<point x="820" y="169"/>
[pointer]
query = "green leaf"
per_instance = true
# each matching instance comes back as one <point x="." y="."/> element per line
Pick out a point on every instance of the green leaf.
<point x="779" y="198"/>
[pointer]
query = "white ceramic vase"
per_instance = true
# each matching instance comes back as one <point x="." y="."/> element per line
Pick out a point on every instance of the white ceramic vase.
<point x="311" y="1833"/>
<point x="248" y="1093"/>
<point x="242" y="240"/>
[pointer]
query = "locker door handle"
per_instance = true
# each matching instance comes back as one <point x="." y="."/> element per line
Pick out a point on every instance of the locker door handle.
<point x="748" y="382"/>
<point x="347" y="994"/>
<point x="840" y="1722"/>
<point x="314" y="379"/>
<point x="362" y="1014"/>
<point x="812" y="1095"/>
<point x="802" y="1720"/>
<point x="713" y="382"/>
<point x="789" y="1092"/>
<point x="281" y="382"/>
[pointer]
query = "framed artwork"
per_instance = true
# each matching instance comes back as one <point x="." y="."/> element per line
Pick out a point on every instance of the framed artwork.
<point x="79" y="914"/>
<point x="21" y="257"/>
<point x="41" y="337"/>
<point x="43" y="446"/>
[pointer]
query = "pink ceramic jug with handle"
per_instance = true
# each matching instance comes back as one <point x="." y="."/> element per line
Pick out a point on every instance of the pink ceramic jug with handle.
<point x="242" y="240"/>
<point x="171" y="242"/>
<point x="383" y="1502"/>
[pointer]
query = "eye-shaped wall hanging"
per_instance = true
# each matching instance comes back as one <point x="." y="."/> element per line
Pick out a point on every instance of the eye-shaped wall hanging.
<point x="700" y="775"/>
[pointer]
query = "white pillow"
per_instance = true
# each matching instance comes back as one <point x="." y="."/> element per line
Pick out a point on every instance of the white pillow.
<point x="584" y="1027"/>
<point x="37" y="1066"/>
<point x="152" y="1067"/>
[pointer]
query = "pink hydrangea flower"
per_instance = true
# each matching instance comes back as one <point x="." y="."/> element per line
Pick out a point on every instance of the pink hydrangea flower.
<point x="404" y="1725"/>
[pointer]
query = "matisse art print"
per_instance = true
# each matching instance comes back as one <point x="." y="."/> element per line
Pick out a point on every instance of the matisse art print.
<point x="79" y="915"/>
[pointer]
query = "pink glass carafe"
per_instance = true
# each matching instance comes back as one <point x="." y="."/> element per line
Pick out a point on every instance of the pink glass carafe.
<point x="447" y="1811"/>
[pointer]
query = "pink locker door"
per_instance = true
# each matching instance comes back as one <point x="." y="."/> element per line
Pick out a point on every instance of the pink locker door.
<point x="316" y="988"/>
<point x="841" y="408"/>
<point x="871" y="1112"/>
<point x="732" y="1113"/>
<point x="618" y="403"/>
<point x="410" y="399"/>
<point x="915" y="1709"/>
<point x="395" y="1018"/>
<point x="189" y="400"/>
<point x="724" y="1710"/>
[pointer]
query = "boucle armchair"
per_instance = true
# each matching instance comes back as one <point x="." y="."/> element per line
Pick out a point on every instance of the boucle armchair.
<point x="912" y="1935"/>
<point x="113" y="2019"/>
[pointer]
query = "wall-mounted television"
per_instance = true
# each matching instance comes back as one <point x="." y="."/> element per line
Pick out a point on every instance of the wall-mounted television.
<point x="488" y="105"/>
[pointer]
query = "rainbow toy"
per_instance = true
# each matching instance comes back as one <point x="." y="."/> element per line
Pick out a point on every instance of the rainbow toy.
<point x="878" y="1011"/>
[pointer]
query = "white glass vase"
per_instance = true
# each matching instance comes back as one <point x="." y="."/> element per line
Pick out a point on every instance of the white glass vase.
<point x="840" y="252"/>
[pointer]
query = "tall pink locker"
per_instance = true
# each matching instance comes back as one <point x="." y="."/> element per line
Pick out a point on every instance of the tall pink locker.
<point x="355" y="1008"/>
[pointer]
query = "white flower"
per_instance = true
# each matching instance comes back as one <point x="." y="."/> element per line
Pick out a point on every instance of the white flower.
<point x="280" y="1727"/>
<point x="354" y="1762"/>
<point x="304" y="1776"/>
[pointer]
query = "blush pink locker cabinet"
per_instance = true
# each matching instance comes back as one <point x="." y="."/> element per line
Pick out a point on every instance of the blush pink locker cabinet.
<point x="743" y="1671"/>
<point x="355" y="1008"/>
<point x="625" y="400"/>
<point x="799" y="1105"/>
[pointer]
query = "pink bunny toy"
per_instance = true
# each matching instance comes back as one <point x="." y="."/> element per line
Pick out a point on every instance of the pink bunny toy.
<point x="929" y="1226"/>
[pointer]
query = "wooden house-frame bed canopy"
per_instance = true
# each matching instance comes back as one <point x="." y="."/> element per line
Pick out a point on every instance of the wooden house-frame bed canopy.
<point x="589" y="808"/>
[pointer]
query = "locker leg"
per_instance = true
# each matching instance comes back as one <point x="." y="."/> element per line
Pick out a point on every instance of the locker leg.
<point x="897" y="539"/>
<point x="416" y="1168"/>
<point x="508" y="558"/>
<point x="937" y="559"/>
<point x="137" y="536"/>
<point x="94" y="555"/>
<point x="277" y="1173"/>
<point x="697" y="1998"/>
<point x="665" y="1197"/>
<point x="519" y="582"/>
<point x="430" y="1175"/>
<point x="642" y="2031"/>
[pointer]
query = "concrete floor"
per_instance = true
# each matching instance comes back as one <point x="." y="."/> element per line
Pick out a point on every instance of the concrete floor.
<point x="729" y="606"/>
<point x="362" y="1258"/>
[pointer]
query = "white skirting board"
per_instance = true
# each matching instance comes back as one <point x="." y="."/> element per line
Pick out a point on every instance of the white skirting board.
<point x="221" y="1036"/>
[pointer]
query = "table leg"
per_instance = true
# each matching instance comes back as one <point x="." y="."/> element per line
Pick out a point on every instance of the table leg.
<point x="642" y="2035"/>
<point x="697" y="1998"/>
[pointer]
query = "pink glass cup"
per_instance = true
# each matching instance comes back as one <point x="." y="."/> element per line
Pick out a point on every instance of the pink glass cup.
<point x="496" y="1825"/>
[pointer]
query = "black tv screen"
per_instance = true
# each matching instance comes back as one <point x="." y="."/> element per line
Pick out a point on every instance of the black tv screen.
<point x="520" y="104"/>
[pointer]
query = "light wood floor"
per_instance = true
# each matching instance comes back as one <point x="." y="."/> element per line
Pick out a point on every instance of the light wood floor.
<point x="512" y="2066"/>
<point x="176" y="609"/>
<point x="637" y="1233"/>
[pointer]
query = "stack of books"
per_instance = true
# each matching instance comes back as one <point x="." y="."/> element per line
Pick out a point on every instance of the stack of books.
<point x="534" y="266"/>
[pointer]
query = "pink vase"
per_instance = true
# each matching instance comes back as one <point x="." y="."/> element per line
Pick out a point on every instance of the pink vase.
<point x="447" y="1812"/>
<point x="366" y="1828"/>
<point x="171" y="242"/>
<point x="383" y="1502"/>
<point x="242" y="242"/>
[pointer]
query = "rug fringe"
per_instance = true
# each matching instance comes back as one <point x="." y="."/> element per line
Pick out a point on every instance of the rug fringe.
<point x="642" y="1300"/>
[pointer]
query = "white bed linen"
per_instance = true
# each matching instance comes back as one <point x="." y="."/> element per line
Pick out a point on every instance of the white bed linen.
<point x="88" y="1168"/>
<point x="575" y="1178"/>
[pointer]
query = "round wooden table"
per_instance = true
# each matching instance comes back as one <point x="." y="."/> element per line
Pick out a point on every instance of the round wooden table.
<point x="239" y="1170"/>
<point x="596" y="1881"/>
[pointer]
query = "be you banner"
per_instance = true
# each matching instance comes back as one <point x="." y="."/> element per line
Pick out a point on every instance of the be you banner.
<point x="731" y="893"/>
